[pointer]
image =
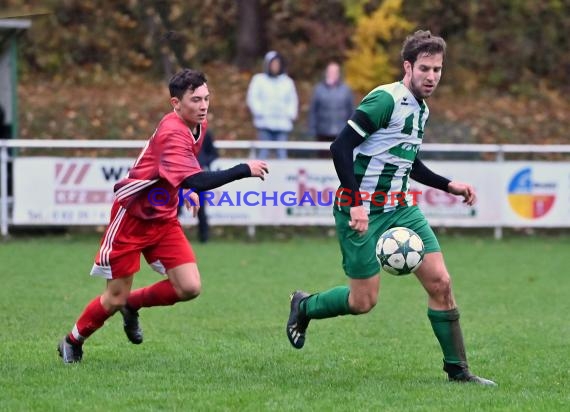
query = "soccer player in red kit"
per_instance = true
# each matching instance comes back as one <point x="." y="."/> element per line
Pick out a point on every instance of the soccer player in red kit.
<point x="144" y="218"/>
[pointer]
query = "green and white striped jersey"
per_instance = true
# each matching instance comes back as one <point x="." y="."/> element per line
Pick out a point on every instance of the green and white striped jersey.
<point x="383" y="162"/>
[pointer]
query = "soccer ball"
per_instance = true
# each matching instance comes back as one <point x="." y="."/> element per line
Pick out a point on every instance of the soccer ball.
<point x="400" y="251"/>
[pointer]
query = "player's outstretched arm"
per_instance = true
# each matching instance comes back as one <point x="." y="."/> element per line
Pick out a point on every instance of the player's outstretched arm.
<point x="463" y="189"/>
<point x="424" y="175"/>
<point x="207" y="180"/>
<point x="258" y="168"/>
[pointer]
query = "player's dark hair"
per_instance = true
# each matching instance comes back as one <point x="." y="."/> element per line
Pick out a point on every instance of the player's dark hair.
<point x="422" y="42"/>
<point x="186" y="79"/>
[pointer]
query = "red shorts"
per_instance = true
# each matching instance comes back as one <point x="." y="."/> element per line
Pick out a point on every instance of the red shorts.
<point x="162" y="242"/>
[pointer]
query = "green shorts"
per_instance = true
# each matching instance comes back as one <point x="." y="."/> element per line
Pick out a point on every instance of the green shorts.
<point x="359" y="252"/>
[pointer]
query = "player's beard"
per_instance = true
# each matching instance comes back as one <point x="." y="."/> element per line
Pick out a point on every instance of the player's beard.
<point x="418" y="91"/>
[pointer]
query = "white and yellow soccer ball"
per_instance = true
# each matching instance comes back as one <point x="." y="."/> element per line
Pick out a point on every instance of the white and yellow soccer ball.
<point x="400" y="251"/>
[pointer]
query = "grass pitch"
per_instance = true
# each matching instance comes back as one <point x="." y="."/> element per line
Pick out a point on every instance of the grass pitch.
<point x="228" y="351"/>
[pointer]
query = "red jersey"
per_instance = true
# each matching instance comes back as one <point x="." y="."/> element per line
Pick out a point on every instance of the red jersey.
<point x="150" y="190"/>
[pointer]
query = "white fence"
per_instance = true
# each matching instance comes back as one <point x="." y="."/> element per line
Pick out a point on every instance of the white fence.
<point x="512" y="193"/>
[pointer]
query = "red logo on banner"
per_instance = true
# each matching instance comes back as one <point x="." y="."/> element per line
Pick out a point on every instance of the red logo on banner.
<point x="66" y="173"/>
<point x="69" y="190"/>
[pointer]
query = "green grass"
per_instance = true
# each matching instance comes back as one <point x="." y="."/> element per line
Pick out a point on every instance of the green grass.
<point x="227" y="350"/>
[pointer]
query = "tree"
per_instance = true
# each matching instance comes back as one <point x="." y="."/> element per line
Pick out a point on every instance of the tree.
<point x="370" y="62"/>
<point x="250" y="36"/>
<point x="174" y="39"/>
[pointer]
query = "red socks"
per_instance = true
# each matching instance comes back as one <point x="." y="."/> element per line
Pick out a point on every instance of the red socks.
<point x="159" y="294"/>
<point x="93" y="317"/>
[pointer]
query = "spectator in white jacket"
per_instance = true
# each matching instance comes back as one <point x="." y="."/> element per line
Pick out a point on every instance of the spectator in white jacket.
<point x="273" y="102"/>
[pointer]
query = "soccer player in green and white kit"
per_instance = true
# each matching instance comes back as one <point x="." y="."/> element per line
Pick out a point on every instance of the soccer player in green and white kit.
<point x="376" y="152"/>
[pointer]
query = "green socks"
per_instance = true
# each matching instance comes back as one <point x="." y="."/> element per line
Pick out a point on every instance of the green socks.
<point x="328" y="304"/>
<point x="445" y="324"/>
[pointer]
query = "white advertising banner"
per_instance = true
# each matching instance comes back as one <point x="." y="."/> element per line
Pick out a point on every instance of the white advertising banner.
<point x="295" y="192"/>
<point x="79" y="191"/>
<point x="64" y="191"/>
<point x="444" y="209"/>
<point x="536" y="194"/>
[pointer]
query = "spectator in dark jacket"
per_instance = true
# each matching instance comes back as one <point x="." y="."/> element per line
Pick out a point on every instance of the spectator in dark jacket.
<point x="331" y="106"/>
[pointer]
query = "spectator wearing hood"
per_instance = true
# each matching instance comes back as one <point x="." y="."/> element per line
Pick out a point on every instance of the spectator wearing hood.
<point x="332" y="105"/>
<point x="273" y="102"/>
